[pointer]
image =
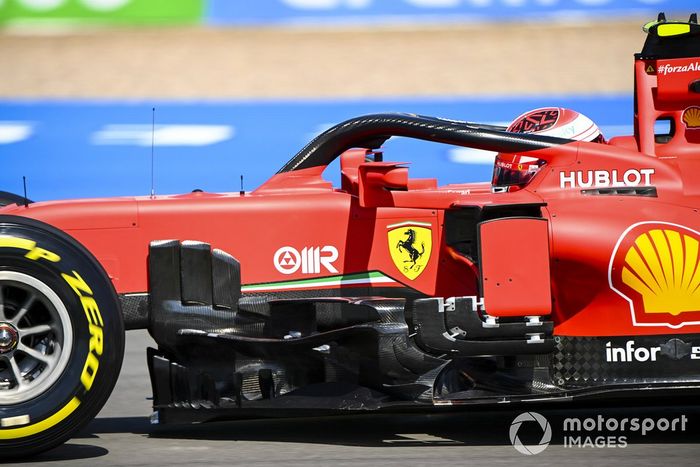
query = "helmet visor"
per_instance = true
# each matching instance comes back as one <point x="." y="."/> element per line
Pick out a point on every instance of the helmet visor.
<point x="512" y="169"/>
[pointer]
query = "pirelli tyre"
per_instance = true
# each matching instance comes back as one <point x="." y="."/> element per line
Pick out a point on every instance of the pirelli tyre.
<point x="61" y="337"/>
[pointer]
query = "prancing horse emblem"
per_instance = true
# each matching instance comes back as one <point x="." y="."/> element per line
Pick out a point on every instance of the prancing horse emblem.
<point x="413" y="253"/>
<point x="410" y="245"/>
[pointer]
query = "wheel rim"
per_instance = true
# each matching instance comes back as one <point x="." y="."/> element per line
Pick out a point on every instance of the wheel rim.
<point x="36" y="337"/>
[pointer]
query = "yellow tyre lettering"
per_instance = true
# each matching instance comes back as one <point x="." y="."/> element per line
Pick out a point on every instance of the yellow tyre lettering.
<point x="34" y="252"/>
<point x="87" y="377"/>
<point x="92" y="311"/>
<point x="96" y="339"/>
<point x="14" y="242"/>
<point x="23" y="432"/>
<point x="95" y="324"/>
<point x="40" y="253"/>
<point x="77" y="284"/>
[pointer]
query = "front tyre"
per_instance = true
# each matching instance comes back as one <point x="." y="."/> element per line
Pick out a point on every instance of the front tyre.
<point x="61" y="336"/>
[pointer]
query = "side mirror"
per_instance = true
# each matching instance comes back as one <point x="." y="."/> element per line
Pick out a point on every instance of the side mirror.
<point x="350" y="162"/>
<point x="378" y="179"/>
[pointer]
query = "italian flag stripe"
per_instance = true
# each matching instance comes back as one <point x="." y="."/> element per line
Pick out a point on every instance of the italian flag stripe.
<point x="369" y="278"/>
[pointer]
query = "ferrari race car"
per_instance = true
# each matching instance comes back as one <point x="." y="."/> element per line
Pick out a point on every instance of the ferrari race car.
<point x="575" y="274"/>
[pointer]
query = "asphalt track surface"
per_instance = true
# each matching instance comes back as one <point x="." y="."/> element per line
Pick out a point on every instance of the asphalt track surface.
<point x="122" y="435"/>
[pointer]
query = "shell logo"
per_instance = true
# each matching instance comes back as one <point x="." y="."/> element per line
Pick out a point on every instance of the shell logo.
<point x="691" y="117"/>
<point x="654" y="266"/>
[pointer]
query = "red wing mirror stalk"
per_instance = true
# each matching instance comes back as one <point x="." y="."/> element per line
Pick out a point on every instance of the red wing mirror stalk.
<point x="378" y="179"/>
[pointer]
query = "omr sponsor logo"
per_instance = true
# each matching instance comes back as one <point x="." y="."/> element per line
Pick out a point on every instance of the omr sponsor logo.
<point x="289" y="260"/>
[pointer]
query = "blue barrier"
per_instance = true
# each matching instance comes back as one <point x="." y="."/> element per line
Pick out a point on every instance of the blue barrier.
<point x="223" y="12"/>
<point x="94" y="149"/>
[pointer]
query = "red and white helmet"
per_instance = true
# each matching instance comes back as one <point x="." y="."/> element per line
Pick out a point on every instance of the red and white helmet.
<point x="557" y="122"/>
<point x="512" y="172"/>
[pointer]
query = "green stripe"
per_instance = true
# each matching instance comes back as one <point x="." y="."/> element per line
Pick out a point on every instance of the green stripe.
<point x="362" y="275"/>
<point x="80" y="12"/>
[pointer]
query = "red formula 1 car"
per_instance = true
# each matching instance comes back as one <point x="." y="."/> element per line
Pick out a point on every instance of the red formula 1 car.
<point x="579" y="277"/>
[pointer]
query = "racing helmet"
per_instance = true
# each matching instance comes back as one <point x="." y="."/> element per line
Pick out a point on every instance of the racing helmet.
<point x="511" y="172"/>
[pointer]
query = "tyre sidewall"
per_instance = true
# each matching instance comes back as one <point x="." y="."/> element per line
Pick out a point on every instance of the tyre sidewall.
<point x="89" y="297"/>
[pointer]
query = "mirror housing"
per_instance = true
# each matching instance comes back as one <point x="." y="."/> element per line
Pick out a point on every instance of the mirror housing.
<point x="378" y="179"/>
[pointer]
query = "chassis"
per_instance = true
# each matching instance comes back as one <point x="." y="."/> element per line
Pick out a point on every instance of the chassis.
<point x="386" y="293"/>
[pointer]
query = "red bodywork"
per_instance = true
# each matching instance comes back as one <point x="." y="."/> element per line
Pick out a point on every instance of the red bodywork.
<point x="599" y="203"/>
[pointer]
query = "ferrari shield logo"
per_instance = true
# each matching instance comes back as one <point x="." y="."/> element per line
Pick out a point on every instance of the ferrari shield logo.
<point x="410" y="244"/>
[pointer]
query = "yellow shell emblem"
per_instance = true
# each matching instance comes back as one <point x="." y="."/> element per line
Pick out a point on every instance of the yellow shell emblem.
<point x="410" y="245"/>
<point x="662" y="266"/>
<point x="691" y="117"/>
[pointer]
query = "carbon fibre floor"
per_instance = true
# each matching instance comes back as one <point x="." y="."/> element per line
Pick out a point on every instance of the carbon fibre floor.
<point x="122" y="435"/>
